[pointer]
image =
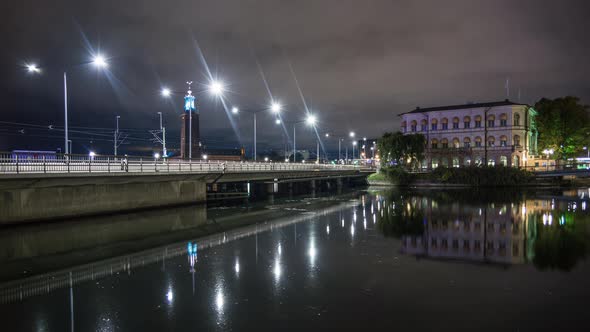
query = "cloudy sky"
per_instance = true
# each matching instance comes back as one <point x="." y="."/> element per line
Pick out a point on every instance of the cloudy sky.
<point x="356" y="64"/>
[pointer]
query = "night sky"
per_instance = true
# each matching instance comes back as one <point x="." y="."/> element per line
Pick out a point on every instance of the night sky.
<point x="358" y="64"/>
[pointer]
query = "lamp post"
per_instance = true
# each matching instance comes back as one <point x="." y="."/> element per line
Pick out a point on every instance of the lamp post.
<point x="310" y="120"/>
<point x="98" y="61"/>
<point x="163" y="129"/>
<point x="275" y="108"/>
<point x="116" y="133"/>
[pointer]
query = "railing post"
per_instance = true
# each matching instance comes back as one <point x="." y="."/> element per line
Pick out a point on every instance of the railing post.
<point x="17" y="170"/>
<point x="109" y="164"/>
<point x="190" y="166"/>
<point x="140" y="165"/>
<point x="89" y="164"/>
<point x="67" y="162"/>
<point x="168" y="167"/>
<point x="44" y="165"/>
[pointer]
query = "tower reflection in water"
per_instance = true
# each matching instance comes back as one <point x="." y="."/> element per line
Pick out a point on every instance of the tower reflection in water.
<point x="548" y="233"/>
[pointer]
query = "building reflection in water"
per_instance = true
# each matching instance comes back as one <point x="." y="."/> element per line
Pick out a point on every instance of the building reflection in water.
<point x="547" y="233"/>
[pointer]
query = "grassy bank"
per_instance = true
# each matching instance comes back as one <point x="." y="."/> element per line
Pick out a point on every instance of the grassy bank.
<point x="470" y="176"/>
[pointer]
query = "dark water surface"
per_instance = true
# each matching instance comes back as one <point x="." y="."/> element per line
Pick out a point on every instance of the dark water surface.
<point x="370" y="260"/>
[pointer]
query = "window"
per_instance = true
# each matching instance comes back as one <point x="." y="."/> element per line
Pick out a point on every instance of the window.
<point x="491" y="141"/>
<point x="503" y="120"/>
<point x="455" y="162"/>
<point x="445" y="126"/>
<point x="467" y="142"/>
<point x="434" y="163"/>
<point x="434" y="126"/>
<point x="414" y="125"/>
<point x="444" y="162"/>
<point x="516" y="119"/>
<point x="466" y="245"/>
<point x="404" y="126"/>
<point x="478" y="161"/>
<point x="455" y="244"/>
<point x="456" y="143"/>
<point x="515" y="250"/>
<point x="434" y="143"/>
<point x="491" y="120"/>
<point x="467" y="161"/>
<point x="478" y="121"/>
<point x="455" y="123"/>
<point x="445" y="143"/>
<point x="477" y="245"/>
<point x="503" y="161"/>
<point x="424" y="127"/>
<point x="466" y="122"/>
<point x="503" y="141"/>
<point x="433" y="242"/>
<point x="478" y="142"/>
<point x="491" y="162"/>
<point x="516" y="140"/>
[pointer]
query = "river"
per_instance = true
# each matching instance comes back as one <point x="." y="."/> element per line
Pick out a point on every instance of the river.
<point x="375" y="259"/>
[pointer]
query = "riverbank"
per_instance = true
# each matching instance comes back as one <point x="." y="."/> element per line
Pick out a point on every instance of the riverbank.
<point x="468" y="177"/>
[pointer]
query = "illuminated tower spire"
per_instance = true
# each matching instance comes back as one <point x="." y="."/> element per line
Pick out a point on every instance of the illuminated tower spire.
<point x="190" y="140"/>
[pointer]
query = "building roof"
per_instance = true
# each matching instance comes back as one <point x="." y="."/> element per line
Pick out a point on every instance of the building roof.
<point x="505" y="102"/>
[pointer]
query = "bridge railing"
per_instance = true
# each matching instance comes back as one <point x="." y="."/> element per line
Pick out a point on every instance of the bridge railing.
<point x="11" y="163"/>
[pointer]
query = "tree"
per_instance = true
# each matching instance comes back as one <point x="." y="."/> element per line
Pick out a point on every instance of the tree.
<point x="563" y="125"/>
<point x="402" y="149"/>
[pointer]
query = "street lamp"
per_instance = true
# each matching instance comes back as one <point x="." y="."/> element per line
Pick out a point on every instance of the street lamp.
<point x="274" y="107"/>
<point x="98" y="61"/>
<point x="353" y="145"/>
<point x="156" y="156"/>
<point x="216" y="88"/>
<point x="351" y="134"/>
<point x="32" y="68"/>
<point x="166" y="92"/>
<point x="163" y="130"/>
<point x="310" y="120"/>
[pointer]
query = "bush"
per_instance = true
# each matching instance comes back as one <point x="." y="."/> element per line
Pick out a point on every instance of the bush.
<point x="397" y="175"/>
<point x="482" y="176"/>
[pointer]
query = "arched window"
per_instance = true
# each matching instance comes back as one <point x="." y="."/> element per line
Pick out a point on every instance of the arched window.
<point x="434" y="124"/>
<point x="516" y="140"/>
<point x="478" y="121"/>
<point x="491" y="141"/>
<point x="467" y="161"/>
<point x="424" y="125"/>
<point x="491" y="162"/>
<point x="445" y="123"/>
<point x="413" y="125"/>
<point x="491" y="120"/>
<point x="455" y="142"/>
<point x="434" y="143"/>
<point x="503" y="140"/>
<point x="404" y="124"/>
<point x="456" y="162"/>
<point x="445" y="143"/>
<point x="466" y="122"/>
<point x="467" y="142"/>
<point x="444" y="162"/>
<point x="478" y="142"/>
<point x="516" y="119"/>
<point x="478" y="161"/>
<point x="455" y="123"/>
<point x="503" y="120"/>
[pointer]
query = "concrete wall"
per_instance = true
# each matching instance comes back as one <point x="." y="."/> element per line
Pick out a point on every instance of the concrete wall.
<point x="34" y="198"/>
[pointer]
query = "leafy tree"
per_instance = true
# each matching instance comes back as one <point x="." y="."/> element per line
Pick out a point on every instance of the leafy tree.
<point x="563" y="126"/>
<point x="402" y="149"/>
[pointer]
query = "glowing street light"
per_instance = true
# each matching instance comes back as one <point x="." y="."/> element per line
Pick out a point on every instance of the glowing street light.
<point x="32" y="68"/>
<point x="311" y="120"/>
<point x="235" y="110"/>
<point x="216" y="88"/>
<point x="204" y="157"/>
<point x="327" y="134"/>
<point x="278" y="121"/>
<point x="351" y="134"/>
<point x="275" y="107"/>
<point x="99" y="61"/>
<point x="91" y="154"/>
<point x="156" y="156"/>
<point x="166" y="92"/>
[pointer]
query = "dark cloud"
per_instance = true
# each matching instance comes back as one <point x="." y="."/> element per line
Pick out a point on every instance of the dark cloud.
<point x="358" y="63"/>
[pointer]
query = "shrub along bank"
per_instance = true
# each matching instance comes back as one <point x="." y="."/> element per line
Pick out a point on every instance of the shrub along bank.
<point x="498" y="176"/>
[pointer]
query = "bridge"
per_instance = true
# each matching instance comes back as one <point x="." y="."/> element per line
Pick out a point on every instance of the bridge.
<point x="63" y="186"/>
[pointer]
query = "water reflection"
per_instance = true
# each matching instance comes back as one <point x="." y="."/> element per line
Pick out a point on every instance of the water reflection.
<point x="550" y="234"/>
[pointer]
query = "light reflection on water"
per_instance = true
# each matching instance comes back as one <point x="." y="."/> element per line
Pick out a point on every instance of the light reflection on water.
<point x="233" y="277"/>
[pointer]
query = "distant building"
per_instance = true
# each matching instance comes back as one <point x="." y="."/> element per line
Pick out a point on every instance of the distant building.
<point x="190" y="137"/>
<point x="494" y="133"/>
